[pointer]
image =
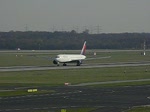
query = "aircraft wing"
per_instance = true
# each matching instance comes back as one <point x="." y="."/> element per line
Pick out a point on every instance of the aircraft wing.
<point x="42" y="57"/>
<point x="98" y="58"/>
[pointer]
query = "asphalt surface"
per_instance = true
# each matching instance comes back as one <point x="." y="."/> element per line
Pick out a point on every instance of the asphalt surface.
<point x="30" y="68"/>
<point x="115" y="99"/>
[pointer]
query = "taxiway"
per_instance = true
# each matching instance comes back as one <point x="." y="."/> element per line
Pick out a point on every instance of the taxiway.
<point x="29" y="68"/>
<point x="116" y="99"/>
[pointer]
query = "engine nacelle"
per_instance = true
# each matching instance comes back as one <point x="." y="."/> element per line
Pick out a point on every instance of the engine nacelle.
<point x="55" y="62"/>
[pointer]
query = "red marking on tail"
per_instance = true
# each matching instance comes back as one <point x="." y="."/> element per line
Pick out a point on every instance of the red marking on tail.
<point x="83" y="48"/>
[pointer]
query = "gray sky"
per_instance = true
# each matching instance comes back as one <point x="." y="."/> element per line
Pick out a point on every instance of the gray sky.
<point x="113" y="16"/>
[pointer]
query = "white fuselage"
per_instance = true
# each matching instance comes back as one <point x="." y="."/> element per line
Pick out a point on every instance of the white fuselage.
<point x="65" y="58"/>
<point x="68" y="58"/>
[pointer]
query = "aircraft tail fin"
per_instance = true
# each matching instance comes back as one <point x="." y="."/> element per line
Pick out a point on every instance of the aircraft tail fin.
<point x="83" y="48"/>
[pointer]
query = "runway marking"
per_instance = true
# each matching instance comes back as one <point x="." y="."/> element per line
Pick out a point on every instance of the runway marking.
<point x="43" y="108"/>
<point x="26" y="87"/>
<point x="148" y="97"/>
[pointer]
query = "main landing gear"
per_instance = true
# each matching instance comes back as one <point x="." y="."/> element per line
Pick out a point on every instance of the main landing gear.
<point x="64" y="64"/>
<point x="78" y="63"/>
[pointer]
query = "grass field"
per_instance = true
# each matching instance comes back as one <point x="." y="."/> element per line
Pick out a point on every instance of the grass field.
<point x="139" y="109"/>
<point x="75" y="76"/>
<point x="71" y="110"/>
<point x="44" y="58"/>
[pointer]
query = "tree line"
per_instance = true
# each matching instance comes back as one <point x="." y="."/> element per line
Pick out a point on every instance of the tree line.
<point x="35" y="40"/>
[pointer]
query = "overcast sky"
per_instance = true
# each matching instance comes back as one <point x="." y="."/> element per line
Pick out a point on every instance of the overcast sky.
<point x="113" y="16"/>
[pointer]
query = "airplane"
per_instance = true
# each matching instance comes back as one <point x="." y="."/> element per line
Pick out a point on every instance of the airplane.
<point x="71" y="58"/>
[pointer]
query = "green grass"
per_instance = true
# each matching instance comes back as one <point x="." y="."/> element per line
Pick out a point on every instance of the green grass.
<point x="79" y="110"/>
<point x="74" y="76"/>
<point x="22" y="92"/>
<point x="139" y="109"/>
<point x="15" y="59"/>
<point x="120" y="56"/>
<point x="42" y="58"/>
<point x="70" y="110"/>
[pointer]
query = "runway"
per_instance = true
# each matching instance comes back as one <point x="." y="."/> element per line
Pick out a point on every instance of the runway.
<point x="113" y="99"/>
<point x="29" y="68"/>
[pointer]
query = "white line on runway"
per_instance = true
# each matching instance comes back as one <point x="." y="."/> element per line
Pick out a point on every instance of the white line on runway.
<point x="109" y="82"/>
